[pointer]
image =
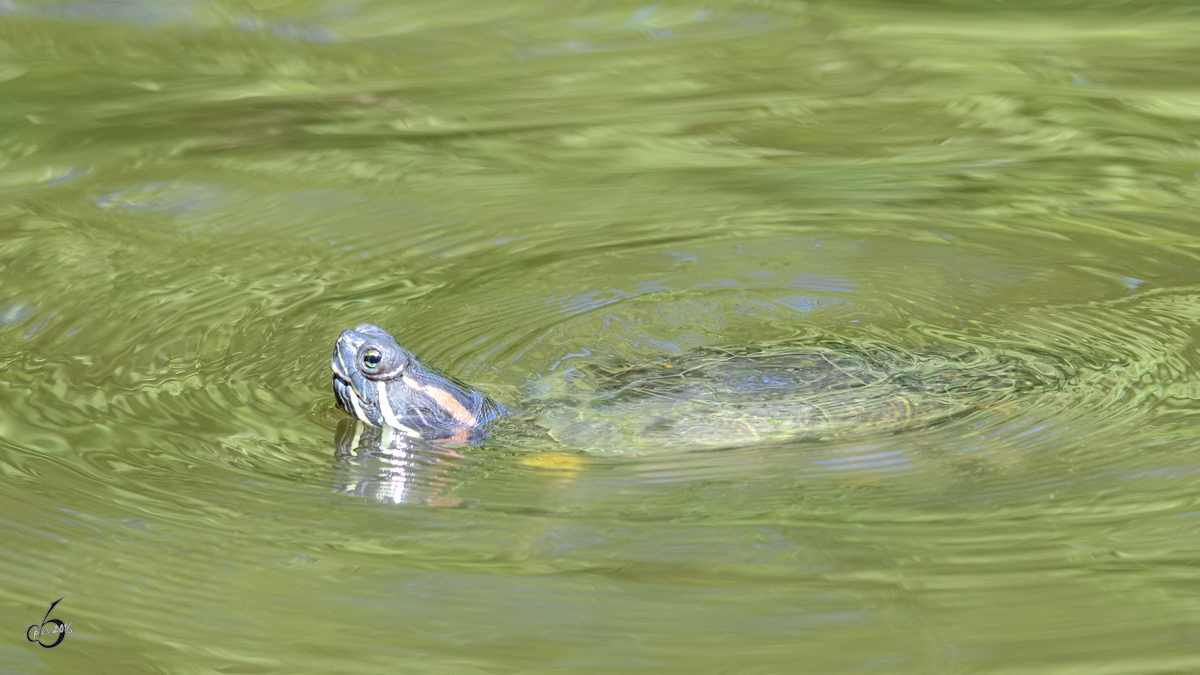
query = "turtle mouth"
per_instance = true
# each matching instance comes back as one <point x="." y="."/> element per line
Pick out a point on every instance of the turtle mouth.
<point x="349" y="400"/>
<point x="344" y="393"/>
<point x="343" y="387"/>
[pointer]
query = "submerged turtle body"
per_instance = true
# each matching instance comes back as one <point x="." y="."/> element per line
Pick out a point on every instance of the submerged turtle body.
<point x="706" y="399"/>
<point x="717" y="398"/>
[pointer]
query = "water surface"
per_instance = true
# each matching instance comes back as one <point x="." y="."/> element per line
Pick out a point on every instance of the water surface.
<point x="197" y="197"/>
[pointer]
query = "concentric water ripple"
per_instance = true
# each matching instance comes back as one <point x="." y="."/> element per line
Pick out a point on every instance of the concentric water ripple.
<point x="1076" y="375"/>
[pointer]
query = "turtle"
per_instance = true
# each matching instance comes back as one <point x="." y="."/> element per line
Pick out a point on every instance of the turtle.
<point x="712" y="397"/>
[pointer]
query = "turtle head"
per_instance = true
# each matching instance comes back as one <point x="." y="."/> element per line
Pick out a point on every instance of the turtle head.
<point x="379" y="382"/>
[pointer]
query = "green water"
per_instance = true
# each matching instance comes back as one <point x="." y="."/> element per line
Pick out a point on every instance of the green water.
<point x="197" y="197"/>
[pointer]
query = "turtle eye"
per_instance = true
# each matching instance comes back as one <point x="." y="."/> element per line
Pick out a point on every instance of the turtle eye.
<point x="379" y="361"/>
<point x="372" y="357"/>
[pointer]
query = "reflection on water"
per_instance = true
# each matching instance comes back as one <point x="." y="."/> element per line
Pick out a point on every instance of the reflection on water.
<point x="394" y="468"/>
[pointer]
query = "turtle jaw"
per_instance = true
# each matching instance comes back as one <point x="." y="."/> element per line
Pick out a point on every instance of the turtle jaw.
<point x="344" y="393"/>
<point x="347" y="382"/>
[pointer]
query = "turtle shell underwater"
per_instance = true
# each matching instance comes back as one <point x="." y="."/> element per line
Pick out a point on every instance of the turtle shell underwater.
<point x="704" y="399"/>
